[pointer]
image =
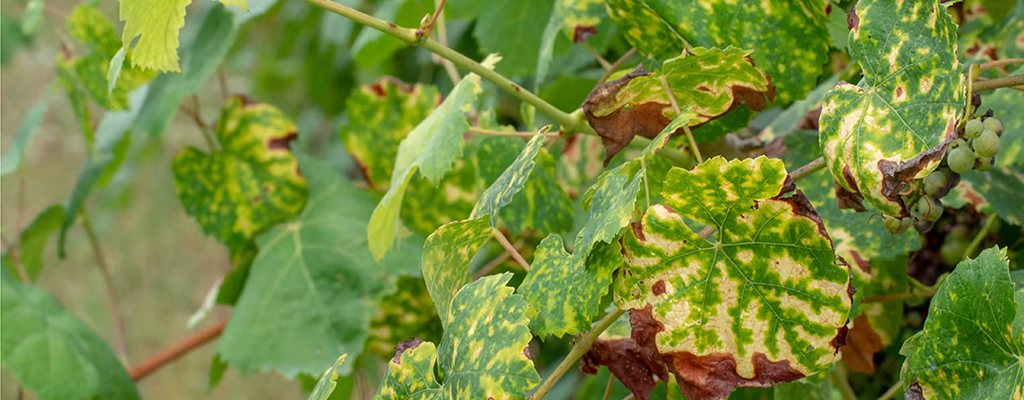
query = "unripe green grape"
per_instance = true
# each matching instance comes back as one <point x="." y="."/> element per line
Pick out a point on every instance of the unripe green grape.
<point x="986" y="145"/>
<point x="994" y="124"/>
<point x="973" y="128"/>
<point x="895" y="225"/>
<point x="960" y="160"/>
<point x="936" y="184"/>
<point x="929" y="209"/>
<point x="984" y="163"/>
<point x="953" y="249"/>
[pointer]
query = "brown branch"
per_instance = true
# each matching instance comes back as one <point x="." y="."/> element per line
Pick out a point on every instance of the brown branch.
<point x="108" y="280"/>
<point x="810" y="168"/>
<point x="175" y="351"/>
<point x="510" y="248"/>
<point x="897" y="297"/>
<point x="600" y="60"/>
<point x="1000" y="63"/>
<point x="990" y="84"/>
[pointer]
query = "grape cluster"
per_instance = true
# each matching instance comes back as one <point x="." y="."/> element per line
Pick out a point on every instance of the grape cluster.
<point x="975" y="149"/>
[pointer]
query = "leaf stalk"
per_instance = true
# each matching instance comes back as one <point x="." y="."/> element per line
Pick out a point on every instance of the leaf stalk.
<point x="578" y="350"/>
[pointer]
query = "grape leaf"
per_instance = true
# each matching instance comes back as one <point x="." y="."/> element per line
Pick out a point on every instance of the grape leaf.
<point x="893" y="127"/>
<point x="715" y="81"/>
<point x="857" y="237"/>
<point x="328" y="381"/>
<point x="156" y="24"/>
<point x="314" y="287"/>
<point x="90" y="26"/>
<point x="407" y="313"/>
<point x="557" y="278"/>
<point x="27" y="129"/>
<point x="379" y="117"/>
<point x="446" y="257"/>
<point x="426" y="207"/>
<point x="430" y="149"/>
<point x="510" y="182"/>
<point x="994" y="191"/>
<point x="484" y="353"/>
<point x="513" y="29"/>
<point x="34" y="238"/>
<point x="52" y="353"/>
<point x="764" y="303"/>
<point x="251" y="183"/>
<point x="970" y="347"/>
<point x="791" y="42"/>
<point x="789" y="119"/>
<point x="580" y="17"/>
<point x="372" y="47"/>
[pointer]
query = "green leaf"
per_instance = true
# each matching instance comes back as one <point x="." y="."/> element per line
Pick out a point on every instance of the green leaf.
<point x="513" y="29"/>
<point x="53" y="354"/>
<point x="791" y="42"/>
<point x="789" y="119"/>
<point x="426" y="207"/>
<point x="893" y="127"/>
<point x="446" y="258"/>
<point x="328" y="381"/>
<point x="805" y="389"/>
<point x="540" y="203"/>
<point x="11" y="38"/>
<point x="90" y="26"/>
<point x="838" y="27"/>
<point x="430" y="149"/>
<point x="32" y="19"/>
<point x="314" y="286"/>
<point x="502" y="190"/>
<point x="156" y="25"/>
<point x="379" y="117"/>
<point x="557" y="278"/>
<point x="580" y="18"/>
<point x="407" y="313"/>
<point x="30" y="124"/>
<point x="251" y="183"/>
<point x="765" y="295"/>
<point x="970" y="348"/>
<point x="484" y="353"/>
<point x="994" y="191"/>
<point x="34" y="238"/>
<point x="714" y="81"/>
<point x="857" y="236"/>
<point x="373" y="47"/>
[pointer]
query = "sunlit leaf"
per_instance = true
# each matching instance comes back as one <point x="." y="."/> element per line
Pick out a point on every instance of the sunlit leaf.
<point x="314" y="287"/>
<point x="763" y="303"/>
<point x="791" y="42"/>
<point x="53" y="354"/>
<point x="446" y="257"/>
<point x="970" y="347"/>
<point x="484" y="353"/>
<point x="429" y="149"/>
<point x="90" y="27"/>
<point x="714" y="81"/>
<point x="156" y="25"/>
<point x="379" y="117"/>
<point x="328" y="381"/>
<point x="891" y="128"/>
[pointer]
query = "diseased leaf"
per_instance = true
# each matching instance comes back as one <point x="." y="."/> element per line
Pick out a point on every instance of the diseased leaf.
<point x="405" y="314"/>
<point x="557" y="278"/>
<point x="446" y="257"/>
<point x="510" y="182"/>
<point x="633" y="366"/>
<point x="580" y="17"/>
<point x="727" y="313"/>
<point x="426" y="207"/>
<point x="379" y="117"/>
<point x="893" y="127"/>
<point x="314" y="287"/>
<point x="484" y="353"/>
<point x="994" y="191"/>
<point x="970" y="347"/>
<point x="88" y="25"/>
<point x="248" y="185"/>
<point x="791" y="41"/>
<point x="53" y="354"/>
<point x="792" y="117"/>
<point x="429" y="149"/>
<point x="328" y="381"/>
<point x="714" y="81"/>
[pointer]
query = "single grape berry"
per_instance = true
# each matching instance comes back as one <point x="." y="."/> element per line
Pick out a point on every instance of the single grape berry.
<point x="929" y="209"/>
<point x="960" y="160"/>
<point x="994" y="124"/>
<point x="895" y="225"/>
<point x="986" y="145"/>
<point x="953" y="249"/>
<point x="984" y="163"/>
<point x="924" y="226"/>
<point x="974" y="128"/>
<point x="936" y="184"/>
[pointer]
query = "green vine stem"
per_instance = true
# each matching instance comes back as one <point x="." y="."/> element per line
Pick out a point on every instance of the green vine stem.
<point x="810" y="168"/>
<point x="686" y="128"/>
<point x="896" y="388"/>
<point x="108" y="280"/>
<point x="840" y="379"/>
<point x="580" y="348"/>
<point x="982" y="234"/>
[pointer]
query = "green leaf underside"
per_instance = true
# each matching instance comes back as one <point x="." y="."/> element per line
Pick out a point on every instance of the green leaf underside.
<point x="564" y="290"/>
<point x="314" y="286"/>
<point x="51" y="353"/>
<point x="972" y="345"/>
<point x="156" y="24"/>
<point x="711" y="80"/>
<point x="993" y="191"/>
<point x="484" y="353"/>
<point x="791" y="42"/>
<point x="447" y="254"/>
<point x="328" y="381"/>
<point x="767" y="291"/>
<point x="906" y="105"/>
<point x="430" y="149"/>
<point x="856" y="236"/>
<point x="380" y="116"/>
<point x="251" y="183"/>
